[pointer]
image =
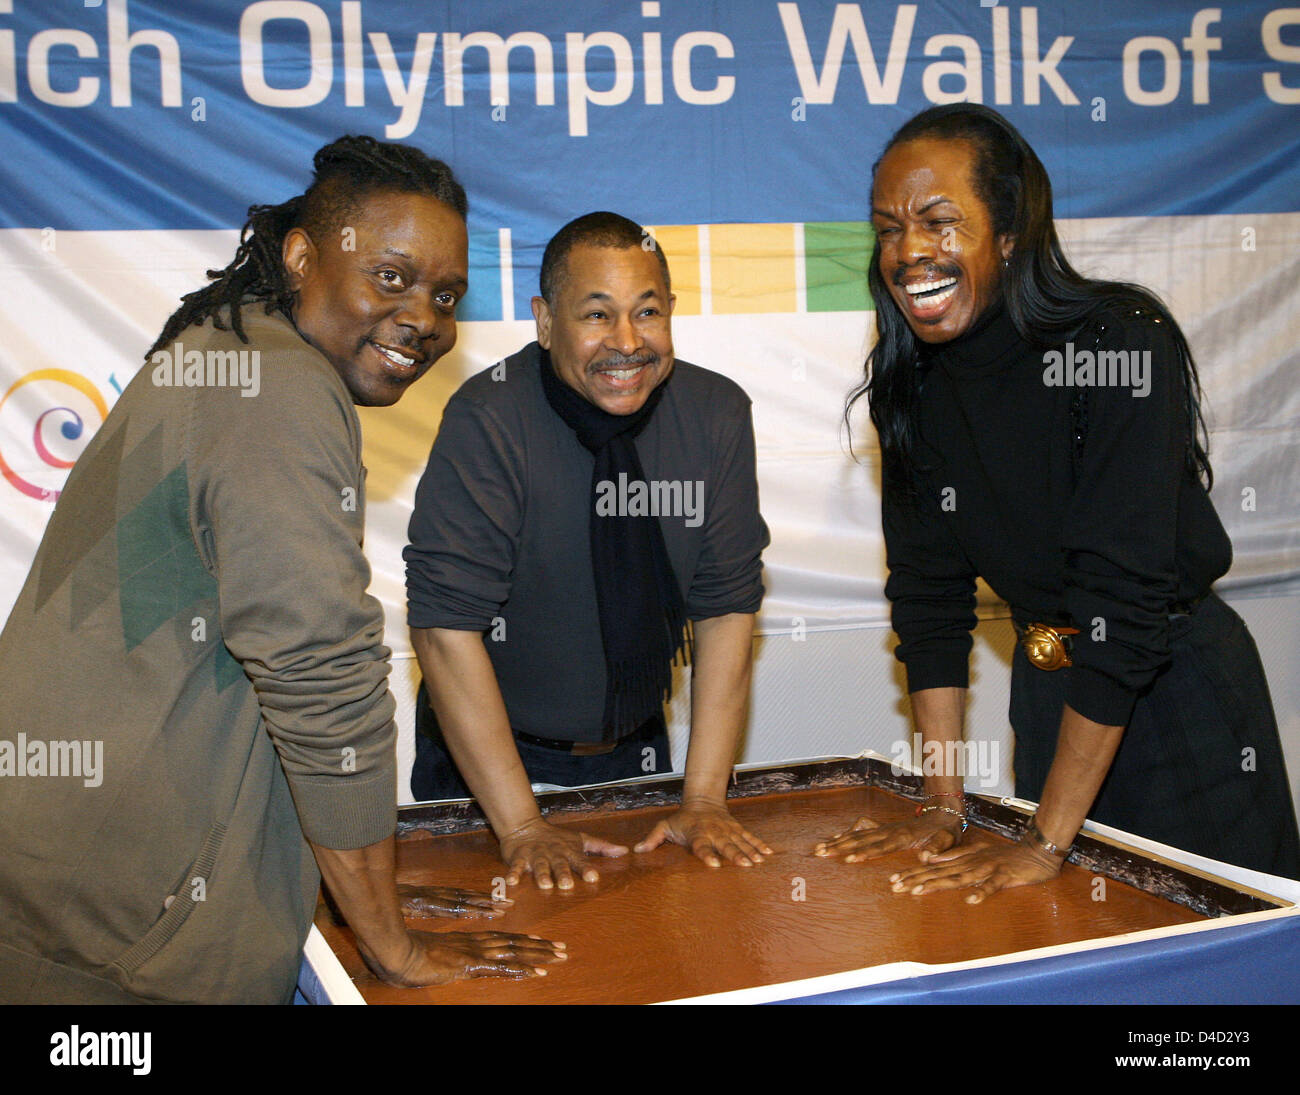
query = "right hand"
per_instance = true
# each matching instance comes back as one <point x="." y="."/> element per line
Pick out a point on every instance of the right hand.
<point x="442" y="957"/>
<point x="552" y="854"/>
<point x="935" y="831"/>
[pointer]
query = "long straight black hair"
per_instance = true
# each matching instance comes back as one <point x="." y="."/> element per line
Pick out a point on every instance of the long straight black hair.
<point x="1046" y="299"/>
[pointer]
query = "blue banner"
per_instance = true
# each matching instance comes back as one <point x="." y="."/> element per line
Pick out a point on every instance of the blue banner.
<point x="134" y="114"/>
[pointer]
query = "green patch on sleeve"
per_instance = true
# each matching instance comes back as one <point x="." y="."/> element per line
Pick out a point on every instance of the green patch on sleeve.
<point x="160" y="574"/>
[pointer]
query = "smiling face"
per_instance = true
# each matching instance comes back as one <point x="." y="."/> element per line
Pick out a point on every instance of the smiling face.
<point x="380" y="301"/>
<point x="938" y="252"/>
<point x="609" y="333"/>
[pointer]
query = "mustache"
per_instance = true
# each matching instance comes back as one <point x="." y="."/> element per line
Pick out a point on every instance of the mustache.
<point x="941" y="269"/>
<point x="405" y="342"/>
<point x="626" y="361"/>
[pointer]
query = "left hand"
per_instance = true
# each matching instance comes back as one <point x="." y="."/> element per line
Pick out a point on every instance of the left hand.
<point x="419" y="902"/>
<point x="984" y="870"/>
<point x="710" y="832"/>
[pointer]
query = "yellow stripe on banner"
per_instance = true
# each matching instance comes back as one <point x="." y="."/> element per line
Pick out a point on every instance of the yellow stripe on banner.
<point x="752" y="268"/>
<point x="681" y="246"/>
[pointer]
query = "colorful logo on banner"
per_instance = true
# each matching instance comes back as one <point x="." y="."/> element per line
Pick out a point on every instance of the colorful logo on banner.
<point x="733" y="269"/>
<point x="717" y="269"/>
<point x="59" y="428"/>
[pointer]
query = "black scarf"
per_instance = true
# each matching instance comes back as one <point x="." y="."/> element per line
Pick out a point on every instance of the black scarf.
<point x="642" y="617"/>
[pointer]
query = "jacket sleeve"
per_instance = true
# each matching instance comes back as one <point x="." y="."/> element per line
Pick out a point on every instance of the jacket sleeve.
<point x="466" y="523"/>
<point x="1119" y="535"/>
<point x="280" y="515"/>
<point x="931" y="589"/>
<point x="729" y="575"/>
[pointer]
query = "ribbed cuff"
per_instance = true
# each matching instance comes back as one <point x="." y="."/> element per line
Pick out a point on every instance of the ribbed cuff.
<point x="1098" y="697"/>
<point x="348" y="811"/>
<point x="937" y="671"/>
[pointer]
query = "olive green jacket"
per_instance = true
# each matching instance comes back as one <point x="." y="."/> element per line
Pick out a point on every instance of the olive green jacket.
<point x="197" y="617"/>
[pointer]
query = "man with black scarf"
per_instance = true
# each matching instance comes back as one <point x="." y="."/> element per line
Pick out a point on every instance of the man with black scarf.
<point x="583" y="501"/>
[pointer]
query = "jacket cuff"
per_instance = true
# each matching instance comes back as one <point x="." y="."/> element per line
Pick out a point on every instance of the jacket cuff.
<point x="937" y="671"/>
<point x="343" y="812"/>
<point x="1099" y="697"/>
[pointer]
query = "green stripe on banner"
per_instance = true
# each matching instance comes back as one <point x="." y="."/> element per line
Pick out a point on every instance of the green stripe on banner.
<point x="836" y="255"/>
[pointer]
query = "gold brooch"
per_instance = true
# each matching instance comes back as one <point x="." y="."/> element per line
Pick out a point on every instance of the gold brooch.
<point x="1047" y="647"/>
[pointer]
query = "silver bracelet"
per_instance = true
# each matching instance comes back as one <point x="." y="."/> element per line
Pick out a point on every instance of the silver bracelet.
<point x="1033" y="836"/>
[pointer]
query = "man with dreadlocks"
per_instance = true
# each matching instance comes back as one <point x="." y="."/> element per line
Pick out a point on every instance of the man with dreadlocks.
<point x="589" y="496"/>
<point x="198" y="609"/>
<point x="1042" y="430"/>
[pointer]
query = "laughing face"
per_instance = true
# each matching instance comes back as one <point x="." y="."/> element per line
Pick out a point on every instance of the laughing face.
<point x="380" y="301"/>
<point x="938" y="252"/>
<point x="609" y="333"/>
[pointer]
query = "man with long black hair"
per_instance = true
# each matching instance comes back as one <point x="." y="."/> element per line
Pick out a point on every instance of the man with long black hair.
<point x="1042" y="430"/>
<point x="197" y="612"/>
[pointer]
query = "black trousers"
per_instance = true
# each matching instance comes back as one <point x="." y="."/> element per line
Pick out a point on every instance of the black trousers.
<point x="435" y="775"/>
<point x="1200" y="765"/>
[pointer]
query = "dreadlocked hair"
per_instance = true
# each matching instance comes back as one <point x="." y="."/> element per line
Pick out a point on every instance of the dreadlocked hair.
<point x="346" y="172"/>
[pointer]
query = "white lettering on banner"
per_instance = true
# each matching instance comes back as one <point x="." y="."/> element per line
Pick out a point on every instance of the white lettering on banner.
<point x="1036" y="68"/>
<point x="972" y="91"/>
<point x="354" y="59"/>
<point x="1270" y="33"/>
<point x="408" y="95"/>
<point x="1001" y="56"/>
<point x="686" y="90"/>
<point x="8" y="73"/>
<point x="498" y="53"/>
<point x="652" y="50"/>
<point x="1199" y="45"/>
<point x="1168" y="90"/>
<point x="848" y="25"/>
<point x="122" y="43"/>
<point x="38" y="67"/>
<point x="576" y="47"/>
<point x="255" y="17"/>
<point x="69" y="67"/>
<point x="407" y="91"/>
